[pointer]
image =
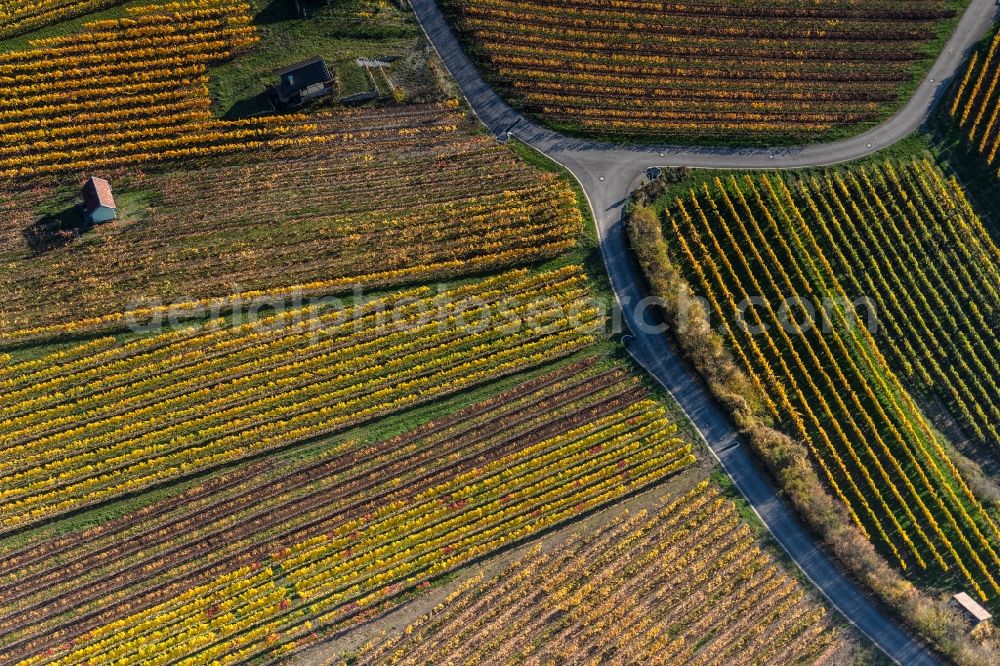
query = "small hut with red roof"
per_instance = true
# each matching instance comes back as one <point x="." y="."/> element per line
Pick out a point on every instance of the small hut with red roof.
<point x="98" y="202"/>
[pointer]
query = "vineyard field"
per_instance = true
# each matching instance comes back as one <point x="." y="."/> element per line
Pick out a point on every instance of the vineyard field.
<point x="102" y="419"/>
<point x="129" y="91"/>
<point x="800" y="249"/>
<point x="682" y="583"/>
<point x="443" y="203"/>
<point x="940" y="330"/>
<point x="766" y="71"/>
<point x="975" y="103"/>
<point x="253" y="563"/>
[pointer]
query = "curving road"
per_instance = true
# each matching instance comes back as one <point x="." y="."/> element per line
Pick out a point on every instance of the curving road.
<point x="608" y="173"/>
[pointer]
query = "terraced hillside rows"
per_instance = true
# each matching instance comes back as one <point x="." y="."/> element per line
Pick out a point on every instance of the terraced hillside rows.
<point x="681" y="584"/>
<point x="127" y="91"/>
<point x="399" y="196"/>
<point x="975" y="105"/>
<point x="792" y="249"/>
<point x="260" y="561"/>
<point x="760" y="71"/>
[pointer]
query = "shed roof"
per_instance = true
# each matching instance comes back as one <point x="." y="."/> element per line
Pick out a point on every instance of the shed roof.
<point x="304" y="74"/>
<point x="971" y="607"/>
<point x="97" y="193"/>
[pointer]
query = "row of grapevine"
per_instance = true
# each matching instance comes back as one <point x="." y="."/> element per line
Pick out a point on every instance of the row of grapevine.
<point x="256" y="563"/>
<point x="172" y="404"/>
<point x="647" y="588"/>
<point x="764" y="70"/>
<point x="128" y="91"/>
<point x="767" y="240"/>
<point x="439" y="202"/>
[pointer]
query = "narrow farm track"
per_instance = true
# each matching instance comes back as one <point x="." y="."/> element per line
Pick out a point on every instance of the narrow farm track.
<point x="608" y="173"/>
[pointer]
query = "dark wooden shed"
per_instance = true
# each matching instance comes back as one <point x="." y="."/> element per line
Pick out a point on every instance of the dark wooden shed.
<point x="302" y="82"/>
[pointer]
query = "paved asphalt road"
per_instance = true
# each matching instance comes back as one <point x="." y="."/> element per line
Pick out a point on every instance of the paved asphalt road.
<point x="608" y="173"/>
